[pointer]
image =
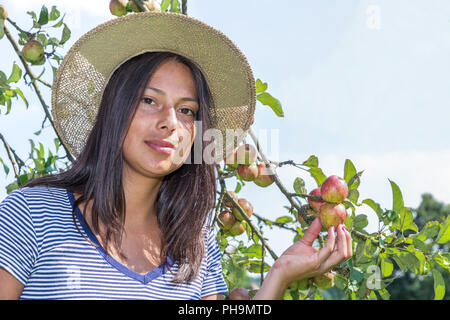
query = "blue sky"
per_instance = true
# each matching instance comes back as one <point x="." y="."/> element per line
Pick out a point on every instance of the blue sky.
<point x="363" y="80"/>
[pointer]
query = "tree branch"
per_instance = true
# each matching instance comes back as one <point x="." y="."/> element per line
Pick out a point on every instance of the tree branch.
<point x="36" y="88"/>
<point x="16" y="162"/>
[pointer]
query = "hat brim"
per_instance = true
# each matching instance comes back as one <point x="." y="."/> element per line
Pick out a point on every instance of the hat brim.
<point x="87" y="67"/>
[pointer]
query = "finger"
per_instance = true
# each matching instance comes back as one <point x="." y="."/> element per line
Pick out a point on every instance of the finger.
<point x="312" y="232"/>
<point x="342" y="243"/>
<point x="326" y="251"/>
<point x="339" y="251"/>
<point x="348" y="235"/>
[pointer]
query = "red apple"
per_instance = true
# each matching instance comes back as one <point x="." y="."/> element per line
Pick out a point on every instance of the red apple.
<point x="246" y="206"/>
<point x="33" y="51"/>
<point x="264" y="177"/>
<point x="239" y="294"/>
<point x="315" y="204"/>
<point x="237" y="229"/>
<point x="334" y="189"/>
<point x="227" y="219"/>
<point x="331" y="214"/>
<point x="227" y="202"/>
<point x="118" y="7"/>
<point x="248" y="173"/>
<point x="324" y="281"/>
<point x="246" y="154"/>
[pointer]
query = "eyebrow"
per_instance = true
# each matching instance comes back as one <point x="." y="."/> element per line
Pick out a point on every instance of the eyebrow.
<point x="163" y="93"/>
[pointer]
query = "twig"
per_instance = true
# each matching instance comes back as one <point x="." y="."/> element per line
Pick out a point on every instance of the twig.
<point x="278" y="224"/>
<point x="235" y="204"/>
<point x="14" y="159"/>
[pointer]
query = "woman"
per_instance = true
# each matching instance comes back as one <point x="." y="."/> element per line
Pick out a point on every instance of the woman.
<point x="130" y="219"/>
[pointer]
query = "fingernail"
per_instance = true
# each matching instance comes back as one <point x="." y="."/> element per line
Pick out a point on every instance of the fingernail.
<point x="345" y="228"/>
<point x="332" y="229"/>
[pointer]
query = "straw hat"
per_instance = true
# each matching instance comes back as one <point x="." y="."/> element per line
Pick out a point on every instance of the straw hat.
<point x="87" y="67"/>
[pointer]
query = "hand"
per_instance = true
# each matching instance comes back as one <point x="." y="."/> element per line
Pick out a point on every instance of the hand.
<point x="302" y="261"/>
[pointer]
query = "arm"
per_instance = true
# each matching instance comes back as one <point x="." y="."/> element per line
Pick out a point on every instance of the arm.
<point x="10" y="287"/>
<point x="302" y="261"/>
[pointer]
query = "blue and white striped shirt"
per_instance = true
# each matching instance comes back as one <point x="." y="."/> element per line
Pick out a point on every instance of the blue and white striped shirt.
<point x="41" y="247"/>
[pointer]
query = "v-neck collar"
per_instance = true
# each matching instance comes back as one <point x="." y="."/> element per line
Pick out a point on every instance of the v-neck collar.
<point x="149" y="276"/>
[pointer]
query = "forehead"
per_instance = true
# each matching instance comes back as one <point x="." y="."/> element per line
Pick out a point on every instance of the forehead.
<point x="172" y="74"/>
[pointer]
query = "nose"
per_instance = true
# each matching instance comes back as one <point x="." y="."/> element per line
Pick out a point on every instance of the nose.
<point x="169" y="119"/>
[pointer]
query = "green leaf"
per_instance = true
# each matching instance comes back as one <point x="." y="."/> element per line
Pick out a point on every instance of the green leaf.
<point x="375" y="206"/>
<point x="254" y="251"/>
<point x="353" y="195"/>
<point x="59" y="23"/>
<point x="254" y="266"/>
<point x="299" y="186"/>
<point x="360" y="222"/>
<point x="384" y="294"/>
<point x="439" y="285"/>
<point x="441" y="260"/>
<point x="312" y="161"/>
<point x="65" y="34"/>
<point x="405" y="221"/>
<point x="165" y="5"/>
<point x="340" y="281"/>
<point x="20" y="93"/>
<point x="349" y="170"/>
<point x="318" y="175"/>
<point x="54" y="14"/>
<point x="238" y="187"/>
<point x="397" y="198"/>
<point x="266" y="99"/>
<point x="444" y="232"/>
<point x="386" y="267"/>
<point x="284" y="219"/>
<point x="5" y="167"/>
<point x="33" y="15"/>
<point x="175" y="7"/>
<point x="43" y="16"/>
<point x="429" y="231"/>
<point x="260" y="86"/>
<point x="15" y="74"/>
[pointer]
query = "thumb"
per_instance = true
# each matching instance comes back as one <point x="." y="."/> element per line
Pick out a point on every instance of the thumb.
<point x="312" y="232"/>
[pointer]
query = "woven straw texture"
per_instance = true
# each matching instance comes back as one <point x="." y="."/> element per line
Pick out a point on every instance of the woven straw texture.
<point x="87" y="67"/>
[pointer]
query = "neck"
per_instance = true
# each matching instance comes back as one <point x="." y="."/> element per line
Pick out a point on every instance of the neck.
<point x="140" y="194"/>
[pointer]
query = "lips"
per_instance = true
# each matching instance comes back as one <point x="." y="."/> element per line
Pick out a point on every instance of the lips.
<point x="161" y="143"/>
<point x="161" y="146"/>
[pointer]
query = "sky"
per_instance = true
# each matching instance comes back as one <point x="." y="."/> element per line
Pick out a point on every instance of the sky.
<point x="361" y="80"/>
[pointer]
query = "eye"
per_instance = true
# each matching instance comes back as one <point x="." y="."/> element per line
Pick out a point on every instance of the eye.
<point x="189" y="110"/>
<point x="146" y="100"/>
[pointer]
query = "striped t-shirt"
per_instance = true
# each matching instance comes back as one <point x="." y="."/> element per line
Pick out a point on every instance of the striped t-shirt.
<point x="42" y="248"/>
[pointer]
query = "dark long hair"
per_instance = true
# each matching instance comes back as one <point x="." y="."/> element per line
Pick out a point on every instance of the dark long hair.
<point x="186" y="197"/>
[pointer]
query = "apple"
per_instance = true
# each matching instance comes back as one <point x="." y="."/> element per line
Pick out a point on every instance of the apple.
<point x="231" y="160"/>
<point x="3" y="12"/>
<point x="264" y="177"/>
<point x="239" y="294"/>
<point x="331" y="214"/>
<point x="118" y="7"/>
<point x="248" y="173"/>
<point x="303" y="284"/>
<point x="227" y="219"/>
<point x="33" y="51"/>
<point x="334" y="189"/>
<point x="315" y="204"/>
<point x="227" y="202"/>
<point x="246" y="206"/>
<point x="324" y="281"/>
<point x="246" y="154"/>
<point x="236" y="229"/>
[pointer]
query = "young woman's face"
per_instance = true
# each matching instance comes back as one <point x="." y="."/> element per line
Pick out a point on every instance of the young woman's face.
<point x="166" y="111"/>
